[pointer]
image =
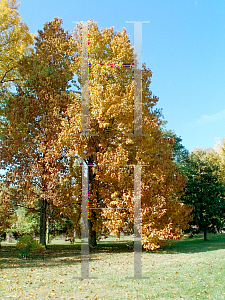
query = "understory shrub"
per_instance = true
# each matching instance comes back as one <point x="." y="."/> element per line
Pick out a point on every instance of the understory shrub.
<point x="27" y="245"/>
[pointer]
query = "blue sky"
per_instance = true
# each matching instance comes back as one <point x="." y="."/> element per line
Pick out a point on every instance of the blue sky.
<point x="184" y="45"/>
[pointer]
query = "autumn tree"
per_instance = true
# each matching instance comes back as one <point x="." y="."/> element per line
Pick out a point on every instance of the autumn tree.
<point x="205" y="191"/>
<point x="42" y="143"/>
<point x="110" y="150"/>
<point x="218" y="156"/>
<point x="6" y="209"/>
<point x="219" y="148"/>
<point x="15" y="41"/>
<point x="31" y="123"/>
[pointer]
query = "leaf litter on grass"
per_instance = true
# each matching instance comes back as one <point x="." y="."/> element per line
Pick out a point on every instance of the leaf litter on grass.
<point x="180" y="272"/>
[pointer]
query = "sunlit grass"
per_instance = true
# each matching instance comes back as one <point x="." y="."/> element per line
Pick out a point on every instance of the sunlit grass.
<point x="190" y="269"/>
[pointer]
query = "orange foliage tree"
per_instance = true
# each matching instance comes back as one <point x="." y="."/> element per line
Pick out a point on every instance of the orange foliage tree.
<point x="109" y="151"/>
<point x="6" y="208"/>
<point x="41" y="139"/>
<point x="31" y="122"/>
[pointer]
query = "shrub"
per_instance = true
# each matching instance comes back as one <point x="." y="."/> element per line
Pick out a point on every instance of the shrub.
<point x="27" y="245"/>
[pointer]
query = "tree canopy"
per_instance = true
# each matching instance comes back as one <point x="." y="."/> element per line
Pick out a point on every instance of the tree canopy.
<point x="15" y="41"/>
<point x="205" y="191"/>
<point x="31" y="121"/>
<point x="42" y="144"/>
<point x="111" y="184"/>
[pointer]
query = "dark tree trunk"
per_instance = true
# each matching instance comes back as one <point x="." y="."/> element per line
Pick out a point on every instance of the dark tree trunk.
<point x="92" y="234"/>
<point x="205" y="234"/>
<point x="47" y="231"/>
<point x="43" y="222"/>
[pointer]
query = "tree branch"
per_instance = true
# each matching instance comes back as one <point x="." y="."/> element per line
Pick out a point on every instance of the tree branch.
<point x="33" y="209"/>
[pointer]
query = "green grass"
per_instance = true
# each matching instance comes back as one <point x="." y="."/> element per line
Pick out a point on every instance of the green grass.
<point x="189" y="269"/>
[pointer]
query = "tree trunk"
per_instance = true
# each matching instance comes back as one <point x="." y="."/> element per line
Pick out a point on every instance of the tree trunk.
<point x="91" y="178"/>
<point x="47" y="231"/>
<point x="205" y="234"/>
<point x="43" y="222"/>
<point x="92" y="233"/>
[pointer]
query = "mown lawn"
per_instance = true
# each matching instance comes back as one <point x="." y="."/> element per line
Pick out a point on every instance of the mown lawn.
<point x="190" y="269"/>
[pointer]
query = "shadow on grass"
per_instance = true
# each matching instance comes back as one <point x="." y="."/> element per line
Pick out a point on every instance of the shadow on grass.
<point x="58" y="254"/>
<point x="196" y="244"/>
<point x="61" y="254"/>
<point x="184" y="245"/>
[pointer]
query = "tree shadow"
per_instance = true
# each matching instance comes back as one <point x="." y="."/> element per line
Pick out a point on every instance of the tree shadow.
<point x="196" y="244"/>
<point x="125" y="246"/>
<point x="61" y="254"/>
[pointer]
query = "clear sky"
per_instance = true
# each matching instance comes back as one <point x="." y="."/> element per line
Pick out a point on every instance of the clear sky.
<point x="184" y="45"/>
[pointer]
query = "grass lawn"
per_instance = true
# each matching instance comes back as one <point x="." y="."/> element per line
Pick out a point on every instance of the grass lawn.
<point x="189" y="269"/>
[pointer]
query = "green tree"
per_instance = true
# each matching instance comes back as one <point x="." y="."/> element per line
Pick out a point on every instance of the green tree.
<point x="25" y="222"/>
<point x="205" y="191"/>
<point x="180" y="153"/>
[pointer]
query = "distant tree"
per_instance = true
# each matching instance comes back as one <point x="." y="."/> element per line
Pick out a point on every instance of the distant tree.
<point x="205" y="191"/>
<point x="180" y="153"/>
<point x="25" y="222"/>
<point x="219" y="149"/>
